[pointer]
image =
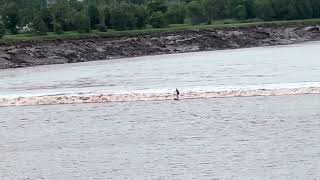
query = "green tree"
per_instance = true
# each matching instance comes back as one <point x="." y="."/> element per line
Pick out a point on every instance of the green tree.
<point x="156" y="5"/>
<point x="241" y="12"/>
<point x="304" y="8"/>
<point x="2" y="30"/>
<point x="122" y="17"/>
<point x="220" y="9"/>
<point x="93" y="15"/>
<point x="280" y="8"/>
<point x="57" y="27"/>
<point x="209" y="10"/>
<point x="157" y="20"/>
<point x="11" y="18"/>
<point x="82" y="22"/>
<point x="38" y="24"/>
<point x="292" y="12"/>
<point x="102" y="28"/>
<point x="249" y="5"/>
<point x="176" y="14"/>
<point x="63" y="14"/>
<point x="103" y="12"/>
<point x="231" y="7"/>
<point x="140" y="14"/>
<point x="195" y="12"/>
<point x="214" y="9"/>
<point x="60" y="15"/>
<point x="315" y="8"/>
<point x="47" y="18"/>
<point x="264" y="9"/>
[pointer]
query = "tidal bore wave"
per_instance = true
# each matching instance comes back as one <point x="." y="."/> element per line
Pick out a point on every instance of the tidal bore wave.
<point x="159" y="95"/>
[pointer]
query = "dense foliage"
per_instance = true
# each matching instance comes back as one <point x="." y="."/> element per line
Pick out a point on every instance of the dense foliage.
<point x="42" y="16"/>
<point x="2" y="30"/>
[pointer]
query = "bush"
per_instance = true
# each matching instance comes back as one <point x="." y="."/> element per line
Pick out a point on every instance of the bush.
<point x="58" y="29"/>
<point x="265" y="10"/>
<point x="2" y="30"/>
<point x="102" y="28"/>
<point x="47" y="17"/>
<point x="157" y="20"/>
<point x="156" y="5"/>
<point x="195" y="12"/>
<point x="122" y="17"/>
<point x="38" y="25"/>
<point x="241" y="12"/>
<point x="140" y="14"/>
<point x="175" y="14"/>
<point x="93" y="15"/>
<point x="82" y="23"/>
<point x="10" y="17"/>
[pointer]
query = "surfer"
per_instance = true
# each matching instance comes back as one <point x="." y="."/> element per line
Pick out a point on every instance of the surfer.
<point x="177" y="94"/>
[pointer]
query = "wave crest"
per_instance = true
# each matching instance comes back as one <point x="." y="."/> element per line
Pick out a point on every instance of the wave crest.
<point x="157" y="95"/>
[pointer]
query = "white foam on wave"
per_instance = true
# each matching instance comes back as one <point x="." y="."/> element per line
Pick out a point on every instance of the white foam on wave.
<point x="87" y="96"/>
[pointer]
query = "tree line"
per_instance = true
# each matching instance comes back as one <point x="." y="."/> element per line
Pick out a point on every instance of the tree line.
<point x="42" y="16"/>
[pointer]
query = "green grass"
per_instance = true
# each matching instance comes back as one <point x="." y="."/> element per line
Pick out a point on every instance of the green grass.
<point x="229" y="23"/>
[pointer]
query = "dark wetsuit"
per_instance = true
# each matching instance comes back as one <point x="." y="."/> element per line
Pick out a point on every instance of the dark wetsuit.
<point x="177" y="93"/>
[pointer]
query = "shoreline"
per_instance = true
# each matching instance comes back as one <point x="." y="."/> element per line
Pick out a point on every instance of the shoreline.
<point x="28" y="53"/>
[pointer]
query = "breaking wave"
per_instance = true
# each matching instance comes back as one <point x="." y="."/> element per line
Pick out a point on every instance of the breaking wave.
<point x="160" y="94"/>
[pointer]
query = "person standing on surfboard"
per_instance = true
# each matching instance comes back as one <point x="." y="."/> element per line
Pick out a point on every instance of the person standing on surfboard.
<point x="177" y="94"/>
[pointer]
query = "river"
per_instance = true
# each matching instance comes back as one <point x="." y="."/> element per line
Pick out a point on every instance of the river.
<point x="257" y="137"/>
<point x="280" y="66"/>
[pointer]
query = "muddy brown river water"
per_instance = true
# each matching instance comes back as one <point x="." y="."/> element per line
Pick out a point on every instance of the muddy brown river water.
<point x="257" y="137"/>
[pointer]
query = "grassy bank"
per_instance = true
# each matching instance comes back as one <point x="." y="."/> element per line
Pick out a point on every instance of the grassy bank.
<point x="172" y="28"/>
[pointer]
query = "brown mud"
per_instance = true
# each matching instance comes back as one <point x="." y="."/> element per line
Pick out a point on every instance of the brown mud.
<point x="26" y="54"/>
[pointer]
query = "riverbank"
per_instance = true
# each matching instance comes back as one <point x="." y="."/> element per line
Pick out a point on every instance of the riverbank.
<point x="112" y="45"/>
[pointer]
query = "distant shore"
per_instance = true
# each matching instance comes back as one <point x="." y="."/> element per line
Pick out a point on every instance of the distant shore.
<point x="16" y="52"/>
